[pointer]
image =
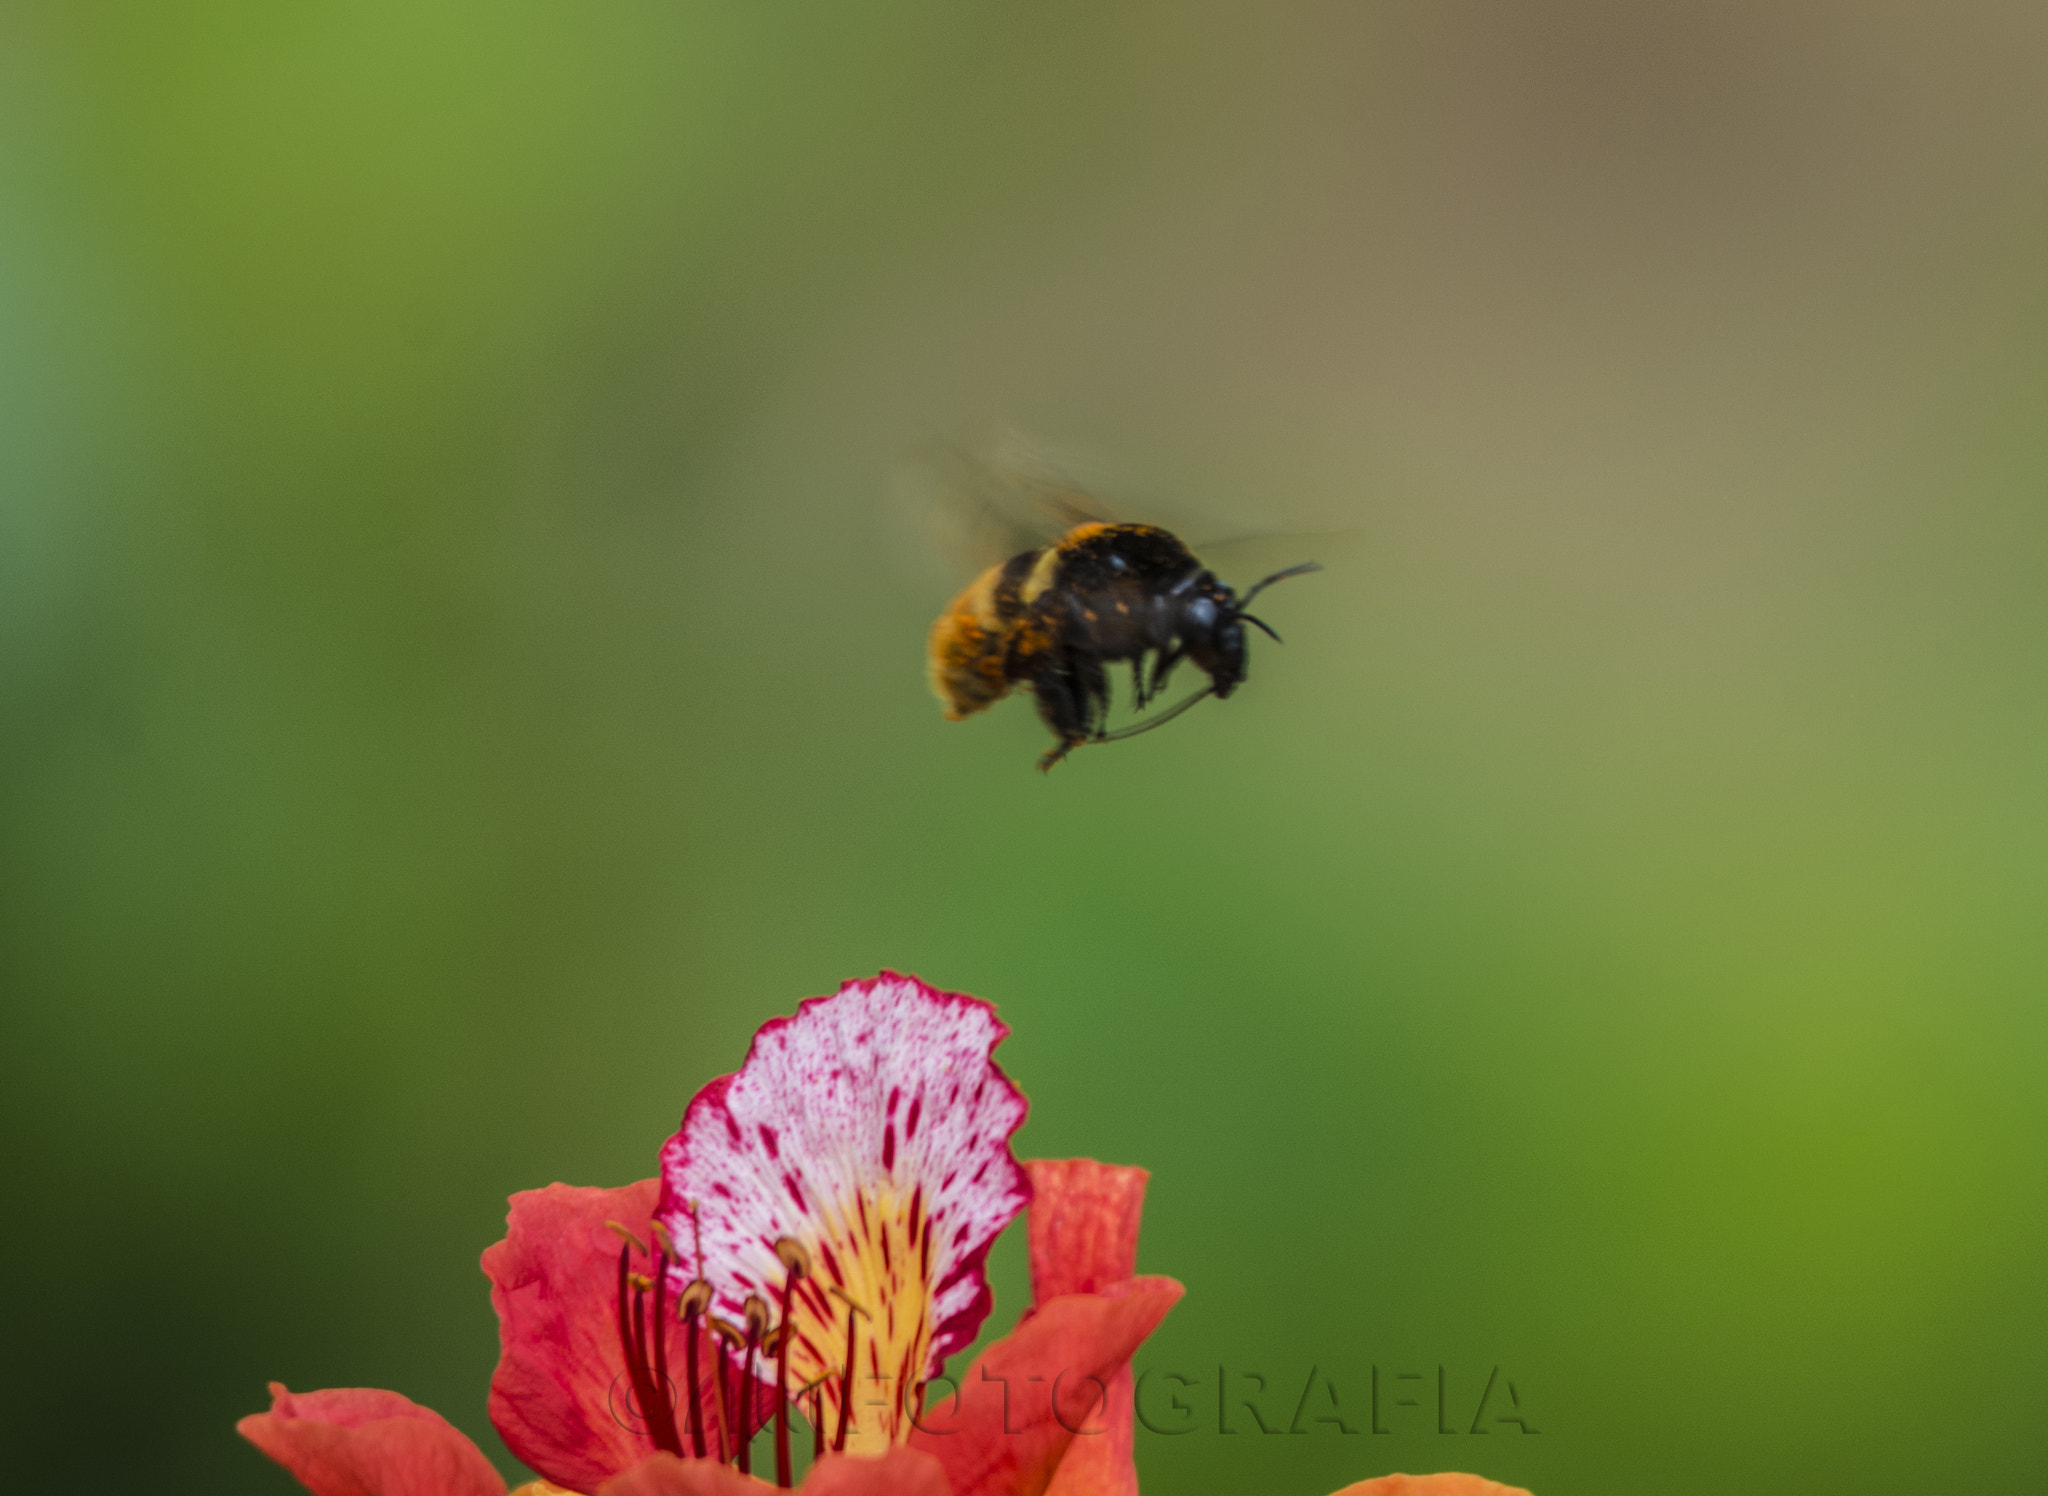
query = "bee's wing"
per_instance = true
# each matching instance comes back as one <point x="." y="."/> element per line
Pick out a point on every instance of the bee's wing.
<point x="1233" y="545"/>
<point x="974" y="510"/>
<point x="974" y="505"/>
<point x="1038" y="488"/>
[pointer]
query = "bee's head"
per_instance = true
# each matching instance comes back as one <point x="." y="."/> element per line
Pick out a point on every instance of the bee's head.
<point x="1212" y="626"/>
<point x="1212" y="631"/>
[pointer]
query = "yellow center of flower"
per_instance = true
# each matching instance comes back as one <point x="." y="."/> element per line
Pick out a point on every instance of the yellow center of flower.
<point x="860" y="1324"/>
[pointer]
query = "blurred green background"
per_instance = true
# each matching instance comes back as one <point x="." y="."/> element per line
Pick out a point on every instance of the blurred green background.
<point x="457" y="680"/>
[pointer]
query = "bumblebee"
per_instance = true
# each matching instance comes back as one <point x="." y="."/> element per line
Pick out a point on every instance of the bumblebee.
<point x="1056" y="617"/>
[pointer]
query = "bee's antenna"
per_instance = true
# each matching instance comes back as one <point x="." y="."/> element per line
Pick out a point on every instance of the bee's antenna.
<point x="1262" y="626"/>
<point x="1279" y="576"/>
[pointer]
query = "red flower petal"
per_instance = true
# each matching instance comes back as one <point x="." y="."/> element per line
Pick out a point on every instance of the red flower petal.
<point x="1430" y="1485"/>
<point x="1084" y="1224"/>
<point x="1024" y="1398"/>
<point x="665" y="1475"/>
<point x="561" y="1395"/>
<point x="900" y="1472"/>
<point x="362" y="1441"/>
<point x="1084" y="1238"/>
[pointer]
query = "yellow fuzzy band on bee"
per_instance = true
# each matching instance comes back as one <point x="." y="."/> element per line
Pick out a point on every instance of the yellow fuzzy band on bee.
<point x="965" y="652"/>
<point x="1046" y="569"/>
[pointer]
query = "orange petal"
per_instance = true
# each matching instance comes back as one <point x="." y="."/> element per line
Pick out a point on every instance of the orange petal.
<point x="665" y="1475"/>
<point x="1084" y="1224"/>
<point x="900" y="1472"/>
<point x="1084" y="1237"/>
<point x="363" y="1441"/>
<point x="1023" y="1400"/>
<point x="561" y="1396"/>
<point x="1430" y="1485"/>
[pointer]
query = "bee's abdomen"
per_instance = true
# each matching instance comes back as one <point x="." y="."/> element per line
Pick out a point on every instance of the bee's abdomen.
<point x="969" y="651"/>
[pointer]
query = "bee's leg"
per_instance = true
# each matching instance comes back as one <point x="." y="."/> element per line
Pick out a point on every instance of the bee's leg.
<point x="1094" y="682"/>
<point x="1163" y="667"/>
<point x="1063" y="705"/>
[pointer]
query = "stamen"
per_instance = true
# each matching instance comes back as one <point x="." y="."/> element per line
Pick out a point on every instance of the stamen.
<point x="845" y="1298"/>
<point x="627" y="1235"/>
<point x="639" y="1320"/>
<point x="797" y="1264"/>
<point x="729" y="1333"/>
<point x="690" y="1309"/>
<point x="777" y="1345"/>
<point x="663" y="1418"/>
<point x="814" y="1410"/>
<point x="757" y="1322"/>
<point x="630" y="1340"/>
<point x="846" y="1372"/>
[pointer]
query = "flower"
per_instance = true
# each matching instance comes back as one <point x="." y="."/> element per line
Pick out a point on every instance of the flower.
<point x="824" y="1214"/>
<point x="842" y="1191"/>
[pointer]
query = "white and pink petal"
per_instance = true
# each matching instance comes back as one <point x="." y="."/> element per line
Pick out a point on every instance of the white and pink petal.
<point x="872" y="1128"/>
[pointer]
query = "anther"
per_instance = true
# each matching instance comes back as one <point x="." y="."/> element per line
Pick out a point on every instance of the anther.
<point x="626" y="1235"/>
<point x="640" y="1281"/>
<point x="695" y="1299"/>
<point x="796" y="1261"/>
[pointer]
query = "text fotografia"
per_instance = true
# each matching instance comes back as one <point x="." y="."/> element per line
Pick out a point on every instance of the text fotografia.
<point x="1381" y="1400"/>
<point x="1387" y="1402"/>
